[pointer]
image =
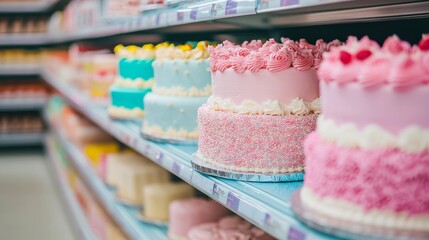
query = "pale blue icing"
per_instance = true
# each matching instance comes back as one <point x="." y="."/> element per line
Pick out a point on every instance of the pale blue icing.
<point x="135" y="68"/>
<point x="128" y="97"/>
<point x="172" y="111"/>
<point x="181" y="73"/>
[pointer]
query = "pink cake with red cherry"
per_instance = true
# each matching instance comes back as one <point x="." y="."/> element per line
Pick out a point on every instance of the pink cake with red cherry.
<point x="265" y="100"/>
<point x="368" y="161"/>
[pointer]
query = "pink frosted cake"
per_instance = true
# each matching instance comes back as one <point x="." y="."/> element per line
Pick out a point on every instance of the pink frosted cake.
<point x="265" y="100"/>
<point x="368" y="161"/>
<point x="185" y="214"/>
<point x="230" y="227"/>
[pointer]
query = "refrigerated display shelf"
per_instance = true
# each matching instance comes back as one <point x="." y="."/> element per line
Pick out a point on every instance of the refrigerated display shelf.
<point x="216" y="15"/>
<point x="73" y="209"/>
<point x="21" y="139"/>
<point x="267" y="205"/>
<point x="22" y="104"/>
<point x="126" y="217"/>
<point x="26" y="6"/>
<point x="18" y="69"/>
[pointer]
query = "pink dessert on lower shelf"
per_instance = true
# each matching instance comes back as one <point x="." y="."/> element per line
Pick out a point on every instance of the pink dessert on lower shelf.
<point x="265" y="101"/>
<point x="231" y="227"/>
<point x="368" y="161"/>
<point x="185" y="214"/>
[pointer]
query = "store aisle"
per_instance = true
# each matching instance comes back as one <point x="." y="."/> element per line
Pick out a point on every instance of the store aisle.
<point x="30" y="206"/>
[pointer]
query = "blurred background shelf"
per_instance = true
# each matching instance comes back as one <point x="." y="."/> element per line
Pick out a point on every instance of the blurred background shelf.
<point x="229" y="15"/>
<point x="124" y="216"/>
<point x="265" y="205"/>
<point x="34" y="6"/>
<point x="72" y="207"/>
<point x="22" y="104"/>
<point x="21" y="139"/>
<point x="19" y="69"/>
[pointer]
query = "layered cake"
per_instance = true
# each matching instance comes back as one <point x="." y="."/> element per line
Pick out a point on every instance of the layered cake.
<point x="94" y="151"/>
<point x="135" y="80"/>
<point x="111" y="163"/>
<point x="265" y="101"/>
<point x="158" y="196"/>
<point x="230" y="227"/>
<point x="182" y="76"/>
<point x="368" y="161"/>
<point x="103" y="75"/>
<point x="134" y="175"/>
<point x="185" y="214"/>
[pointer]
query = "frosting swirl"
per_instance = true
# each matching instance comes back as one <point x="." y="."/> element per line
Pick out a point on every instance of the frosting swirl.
<point x="303" y="61"/>
<point x="279" y="61"/>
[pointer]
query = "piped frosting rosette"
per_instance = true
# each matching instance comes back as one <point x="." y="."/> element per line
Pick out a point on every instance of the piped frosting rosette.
<point x="268" y="78"/>
<point x="396" y="63"/>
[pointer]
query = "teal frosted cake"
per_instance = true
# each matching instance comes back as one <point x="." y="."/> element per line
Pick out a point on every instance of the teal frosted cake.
<point x="135" y="79"/>
<point x="182" y="85"/>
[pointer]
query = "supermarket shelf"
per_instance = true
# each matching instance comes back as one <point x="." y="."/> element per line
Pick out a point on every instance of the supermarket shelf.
<point x="22" y="104"/>
<point x="220" y="15"/>
<point x="19" y="69"/>
<point x="26" y="6"/>
<point x="73" y="209"/>
<point x="21" y="139"/>
<point x="125" y="217"/>
<point x="265" y="205"/>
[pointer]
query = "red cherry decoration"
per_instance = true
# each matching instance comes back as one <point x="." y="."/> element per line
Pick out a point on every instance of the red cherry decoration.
<point x="424" y="43"/>
<point x="345" y="57"/>
<point x="363" y="54"/>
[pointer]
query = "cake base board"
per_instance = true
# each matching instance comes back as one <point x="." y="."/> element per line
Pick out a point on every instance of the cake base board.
<point x="347" y="229"/>
<point x="210" y="169"/>
<point x="171" y="140"/>
<point x="156" y="222"/>
<point x="129" y="203"/>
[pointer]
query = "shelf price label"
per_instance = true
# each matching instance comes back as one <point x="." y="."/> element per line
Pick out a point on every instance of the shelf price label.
<point x="233" y="201"/>
<point x="159" y="157"/>
<point x="295" y="234"/>
<point x="231" y="7"/>
<point x="288" y="2"/>
<point x="194" y="13"/>
<point x="176" y="169"/>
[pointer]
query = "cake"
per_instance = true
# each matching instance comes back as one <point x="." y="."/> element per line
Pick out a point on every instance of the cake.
<point x="230" y="227"/>
<point x="134" y="175"/>
<point x="158" y="196"/>
<point x="135" y="80"/>
<point x="182" y="85"/>
<point x="102" y="76"/>
<point x="185" y="214"/>
<point x="368" y="161"/>
<point x="94" y="151"/>
<point x="81" y="131"/>
<point x="111" y="163"/>
<point x="265" y="100"/>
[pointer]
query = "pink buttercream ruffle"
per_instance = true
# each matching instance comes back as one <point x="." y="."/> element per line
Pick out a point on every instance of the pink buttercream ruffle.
<point x="396" y="63"/>
<point x="375" y="180"/>
<point x="273" y="56"/>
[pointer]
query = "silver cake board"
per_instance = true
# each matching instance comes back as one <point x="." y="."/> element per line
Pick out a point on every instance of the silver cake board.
<point x="348" y="229"/>
<point x="171" y="140"/>
<point x="155" y="222"/>
<point x="210" y="169"/>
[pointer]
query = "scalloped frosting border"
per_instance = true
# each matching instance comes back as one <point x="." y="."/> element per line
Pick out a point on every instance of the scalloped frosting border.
<point x="182" y="92"/>
<point x="157" y="130"/>
<point x="412" y="139"/>
<point x="249" y="169"/>
<point x="270" y="107"/>
<point x="343" y="210"/>
<point x="134" y="83"/>
<point x="122" y="112"/>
